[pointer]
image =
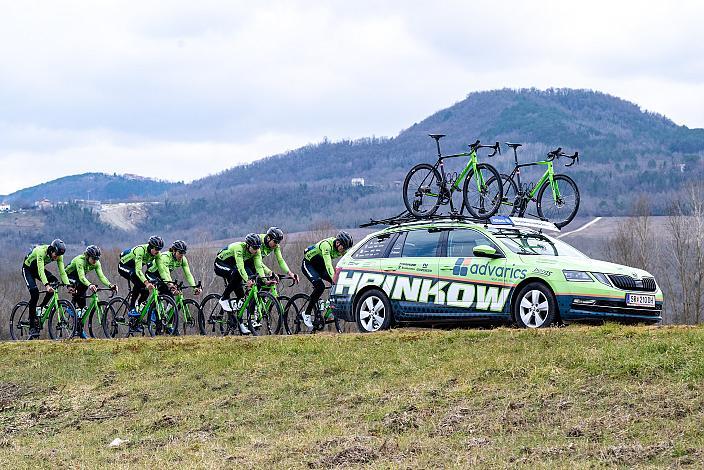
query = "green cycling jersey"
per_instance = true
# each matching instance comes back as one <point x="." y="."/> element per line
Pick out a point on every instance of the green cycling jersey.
<point x="240" y="252"/>
<point x="326" y="249"/>
<point x="266" y="251"/>
<point x="168" y="264"/>
<point x="40" y="255"/>
<point x="141" y="257"/>
<point x="81" y="267"/>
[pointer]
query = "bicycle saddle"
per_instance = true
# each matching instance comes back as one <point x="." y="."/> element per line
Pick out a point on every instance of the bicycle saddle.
<point x="436" y="136"/>
<point x="513" y="146"/>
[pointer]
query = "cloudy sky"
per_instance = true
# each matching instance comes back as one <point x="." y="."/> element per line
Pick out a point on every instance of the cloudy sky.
<point x="181" y="89"/>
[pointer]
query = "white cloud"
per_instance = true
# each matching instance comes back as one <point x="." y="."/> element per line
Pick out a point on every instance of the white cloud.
<point x="150" y="76"/>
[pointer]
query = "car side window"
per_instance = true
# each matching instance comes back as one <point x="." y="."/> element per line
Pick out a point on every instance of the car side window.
<point x="397" y="249"/>
<point x="421" y="243"/>
<point x="461" y="243"/>
<point x="374" y="247"/>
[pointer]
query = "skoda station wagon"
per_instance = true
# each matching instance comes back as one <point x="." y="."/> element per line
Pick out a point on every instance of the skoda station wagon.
<point x="504" y="271"/>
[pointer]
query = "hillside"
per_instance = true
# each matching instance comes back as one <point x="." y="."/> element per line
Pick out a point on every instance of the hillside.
<point x="625" y="151"/>
<point x="96" y="186"/>
<point x="570" y="398"/>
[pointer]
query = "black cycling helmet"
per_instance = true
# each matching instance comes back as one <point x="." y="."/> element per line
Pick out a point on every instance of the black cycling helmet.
<point x="156" y="242"/>
<point x="93" y="251"/>
<point x="345" y="239"/>
<point x="179" y="245"/>
<point x="58" y="247"/>
<point x="276" y="234"/>
<point x="253" y="240"/>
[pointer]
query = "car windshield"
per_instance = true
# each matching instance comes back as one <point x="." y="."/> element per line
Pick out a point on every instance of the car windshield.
<point x="528" y="242"/>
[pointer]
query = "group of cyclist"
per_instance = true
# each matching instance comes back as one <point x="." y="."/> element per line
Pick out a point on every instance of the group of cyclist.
<point x="145" y="267"/>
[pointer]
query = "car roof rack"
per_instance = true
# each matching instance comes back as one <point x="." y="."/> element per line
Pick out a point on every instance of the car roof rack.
<point x="406" y="217"/>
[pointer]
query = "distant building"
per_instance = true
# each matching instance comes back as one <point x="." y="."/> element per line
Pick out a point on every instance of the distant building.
<point x="357" y="181"/>
<point x="44" y="204"/>
<point x="89" y="204"/>
<point x="4" y="207"/>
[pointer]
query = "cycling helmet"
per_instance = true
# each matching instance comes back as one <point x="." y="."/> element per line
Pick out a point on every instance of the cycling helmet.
<point x="156" y="242"/>
<point x="276" y="234"/>
<point x="58" y="247"/>
<point x="253" y="240"/>
<point x="345" y="239"/>
<point x="179" y="245"/>
<point x="93" y="251"/>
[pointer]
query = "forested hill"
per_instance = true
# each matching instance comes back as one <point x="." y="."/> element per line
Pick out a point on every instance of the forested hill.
<point x="96" y="186"/>
<point x="625" y="151"/>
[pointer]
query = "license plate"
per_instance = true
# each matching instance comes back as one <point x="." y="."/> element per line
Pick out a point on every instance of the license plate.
<point x="640" y="300"/>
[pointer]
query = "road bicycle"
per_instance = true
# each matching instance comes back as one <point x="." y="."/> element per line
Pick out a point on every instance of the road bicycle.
<point x="426" y="186"/>
<point x="260" y="310"/>
<point x="59" y="315"/>
<point x="323" y="314"/>
<point x="556" y="196"/>
<point x="189" y="310"/>
<point x="156" y="316"/>
<point x="95" y="315"/>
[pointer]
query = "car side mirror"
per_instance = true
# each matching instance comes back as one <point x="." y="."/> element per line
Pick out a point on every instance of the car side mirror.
<point x="486" y="251"/>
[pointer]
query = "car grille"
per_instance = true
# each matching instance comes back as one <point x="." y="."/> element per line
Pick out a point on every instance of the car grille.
<point x="620" y="307"/>
<point x="628" y="283"/>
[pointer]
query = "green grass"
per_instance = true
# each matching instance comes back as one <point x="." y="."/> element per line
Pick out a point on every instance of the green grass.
<point x="572" y="397"/>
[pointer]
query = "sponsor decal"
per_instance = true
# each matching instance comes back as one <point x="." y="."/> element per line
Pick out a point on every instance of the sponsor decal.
<point x="464" y="267"/>
<point x="541" y="272"/>
<point x="424" y="290"/>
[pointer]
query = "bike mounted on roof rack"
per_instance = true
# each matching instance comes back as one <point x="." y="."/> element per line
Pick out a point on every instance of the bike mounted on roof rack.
<point x="503" y="220"/>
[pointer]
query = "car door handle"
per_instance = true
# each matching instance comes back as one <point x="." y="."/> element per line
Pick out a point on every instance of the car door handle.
<point x="446" y="269"/>
<point x="389" y="269"/>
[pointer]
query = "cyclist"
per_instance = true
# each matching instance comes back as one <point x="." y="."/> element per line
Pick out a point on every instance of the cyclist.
<point x="271" y="242"/>
<point x="77" y="270"/>
<point x="317" y="266"/>
<point x="231" y="264"/>
<point x="172" y="259"/>
<point x="130" y="268"/>
<point x="33" y="267"/>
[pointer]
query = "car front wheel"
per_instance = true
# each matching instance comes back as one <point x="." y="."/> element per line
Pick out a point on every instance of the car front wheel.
<point x="535" y="306"/>
<point x="373" y="312"/>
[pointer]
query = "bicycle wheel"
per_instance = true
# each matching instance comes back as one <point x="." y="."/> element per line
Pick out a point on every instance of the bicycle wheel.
<point x="97" y="320"/>
<point x="483" y="200"/>
<point x="190" y="319"/>
<point x="293" y="314"/>
<point x="163" y="318"/>
<point x="264" y="322"/>
<point x="62" y="320"/>
<point x="19" y="321"/>
<point x="282" y="327"/>
<point x="116" y="323"/>
<point x="421" y="190"/>
<point x="561" y="211"/>
<point x="213" y="321"/>
<point x="508" y="200"/>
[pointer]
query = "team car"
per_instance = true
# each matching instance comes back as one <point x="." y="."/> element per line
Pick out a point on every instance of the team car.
<point x="501" y="271"/>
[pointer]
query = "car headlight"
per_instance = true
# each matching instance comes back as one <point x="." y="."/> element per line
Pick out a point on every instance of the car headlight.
<point x="603" y="278"/>
<point x="578" y="276"/>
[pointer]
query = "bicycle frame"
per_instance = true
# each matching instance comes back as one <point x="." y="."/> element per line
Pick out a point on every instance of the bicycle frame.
<point x="471" y="165"/>
<point x="93" y="306"/>
<point x="547" y="176"/>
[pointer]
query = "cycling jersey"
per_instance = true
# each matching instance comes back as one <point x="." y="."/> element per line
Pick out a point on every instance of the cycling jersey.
<point x="41" y="257"/>
<point x="168" y="264"/>
<point x="240" y="253"/>
<point x="266" y="251"/>
<point x="141" y="257"/>
<point x="80" y="266"/>
<point x="326" y="250"/>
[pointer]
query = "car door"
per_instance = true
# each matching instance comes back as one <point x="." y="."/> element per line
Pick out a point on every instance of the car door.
<point x="476" y="283"/>
<point x="413" y="267"/>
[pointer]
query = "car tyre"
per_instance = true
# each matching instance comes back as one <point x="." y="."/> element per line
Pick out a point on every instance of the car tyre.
<point x="373" y="312"/>
<point x="535" y="306"/>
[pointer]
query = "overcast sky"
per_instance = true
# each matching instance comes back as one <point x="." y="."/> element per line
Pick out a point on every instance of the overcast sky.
<point x="182" y="89"/>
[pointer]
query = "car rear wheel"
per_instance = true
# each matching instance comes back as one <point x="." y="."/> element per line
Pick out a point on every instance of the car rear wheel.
<point x="535" y="306"/>
<point x="373" y="312"/>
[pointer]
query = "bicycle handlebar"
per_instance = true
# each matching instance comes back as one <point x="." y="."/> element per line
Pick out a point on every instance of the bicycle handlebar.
<point x="55" y="285"/>
<point x="477" y="145"/>
<point x="181" y="286"/>
<point x="557" y="153"/>
<point x="101" y="289"/>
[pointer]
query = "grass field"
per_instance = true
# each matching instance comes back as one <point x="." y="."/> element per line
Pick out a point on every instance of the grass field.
<point x="570" y="397"/>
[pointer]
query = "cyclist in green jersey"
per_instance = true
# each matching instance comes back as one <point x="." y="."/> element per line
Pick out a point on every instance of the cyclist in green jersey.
<point x="77" y="270"/>
<point x="230" y="265"/>
<point x="317" y="267"/>
<point x="130" y="268"/>
<point x="271" y="242"/>
<point x="33" y="268"/>
<point x="172" y="259"/>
